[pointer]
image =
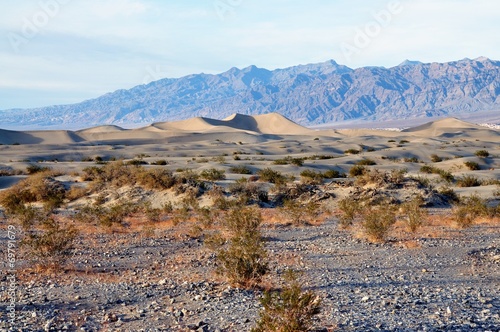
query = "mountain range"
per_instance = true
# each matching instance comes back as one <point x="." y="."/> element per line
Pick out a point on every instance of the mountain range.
<point x="312" y="94"/>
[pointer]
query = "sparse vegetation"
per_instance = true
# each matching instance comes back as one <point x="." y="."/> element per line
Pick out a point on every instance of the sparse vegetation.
<point x="243" y="260"/>
<point x="272" y="176"/>
<point x="289" y="161"/>
<point x="213" y="174"/>
<point x="366" y="162"/>
<point x="414" y="214"/>
<point x="482" y="153"/>
<point x="468" y="181"/>
<point x="290" y="310"/>
<point x="357" y="170"/>
<point x="472" y="165"/>
<point x="240" y="170"/>
<point x="298" y="213"/>
<point x="436" y="159"/>
<point x="377" y="221"/>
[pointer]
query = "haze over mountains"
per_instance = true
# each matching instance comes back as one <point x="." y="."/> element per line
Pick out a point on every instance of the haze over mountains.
<point x="311" y="94"/>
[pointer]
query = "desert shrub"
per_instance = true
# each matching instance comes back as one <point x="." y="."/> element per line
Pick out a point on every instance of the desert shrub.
<point x="445" y="175"/>
<point x="248" y="192"/>
<point x="243" y="260"/>
<point x="219" y="159"/>
<point x="115" y="214"/>
<point x="472" y="165"/>
<point x="332" y="174"/>
<point x="450" y="194"/>
<point x="377" y="221"/>
<point x="482" y="153"/>
<point x="414" y="214"/>
<point x="350" y="209"/>
<point x="357" y="170"/>
<point x="468" y="181"/>
<point x="160" y="162"/>
<point x="436" y="159"/>
<point x="404" y="141"/>
<point x="397" y="176"/>
<point x="289" y="161"/>
<point x="33" y="169"/>
<point x="366" y="162"/>
<point x="411" y="160"/>
<point x="427" y="169"/>
<point x="311" y="176"/>
<point x="213" y="174"/>
<point x="240" y="170"/>
<point x="352" y="151"/>
<point x="297" y="213"/>
<point x="188" y="176"/>
<point x="136" y="162"/>
<point x="289" y="310"/>
<point x="156" y="178"/>
<point x="469" y="209"/>
<point x="271" y="176"/>
<point x="151" y="213"/>
<point x="76" y="192"/>
<point x="51" y="243"/>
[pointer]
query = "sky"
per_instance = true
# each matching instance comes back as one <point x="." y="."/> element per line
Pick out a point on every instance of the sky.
<point x="66" y="51"/>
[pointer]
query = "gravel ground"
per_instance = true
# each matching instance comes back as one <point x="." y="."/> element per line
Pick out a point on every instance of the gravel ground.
<point x="448" y="282"/>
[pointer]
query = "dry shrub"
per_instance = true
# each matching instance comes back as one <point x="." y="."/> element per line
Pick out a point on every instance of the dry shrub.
<point x="243" y="259"/>
<point x="351" y="209"/>
<point x="468" y="181"/>
<point x="156" y="178"/>
<point x="290" y="310"/>
<point x="377" y="221"/>
<point x="49" y="243"/>
<point x="469" y="209"/>
<point x="299" y="214"/>
<point x="414" y="214"/>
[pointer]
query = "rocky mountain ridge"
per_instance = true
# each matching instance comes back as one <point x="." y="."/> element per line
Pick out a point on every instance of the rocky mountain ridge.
<point x="311" y="94"/>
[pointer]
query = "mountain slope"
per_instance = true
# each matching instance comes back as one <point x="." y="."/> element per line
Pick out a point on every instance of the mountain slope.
<point x="307" y="94"/>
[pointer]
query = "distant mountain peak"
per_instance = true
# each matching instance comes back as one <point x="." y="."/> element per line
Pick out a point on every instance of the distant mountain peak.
<point x="410" y="63"/>
<point x="309" y="94"/>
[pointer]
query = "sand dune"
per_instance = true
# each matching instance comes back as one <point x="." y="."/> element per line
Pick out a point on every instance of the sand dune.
<point x="39" y="137"/>
<point x="238" y="128"/>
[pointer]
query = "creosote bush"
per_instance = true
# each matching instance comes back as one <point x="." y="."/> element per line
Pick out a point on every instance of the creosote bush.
<point x="350" y="209"/>
<point x="468" y="181"/>
<point x="366" y="162"/>
<point x="482" y="153"/>
<point x="472" y="165"/>
<point x="290" y="310"/>
<point x="469" y="209"/>
<point x="357" y="170"/>
<point x="377" y="221"/>
<point x="243" y="258"/>
<point x="50" y="243"/>
<point x="414" y="214"/>
<point x="213" y="174"/>
<point x="298" y="213"/>
<point x="272" y="176"/>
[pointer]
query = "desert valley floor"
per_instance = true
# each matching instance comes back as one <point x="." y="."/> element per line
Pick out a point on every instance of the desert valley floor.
<point x="151" y="269"/>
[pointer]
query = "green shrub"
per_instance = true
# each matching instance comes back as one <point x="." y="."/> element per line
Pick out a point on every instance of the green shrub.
<point x="377" y="221"/>
<point x="468" y="181"/>
<point x="366" y="162"/>
<point x="352" y="151"/>
<point x="332" y="174"/>
<point x="299" y="214"/>
<point x="33" y="169"/>
<point x="51" y="243"/>
<point x="160" y="162"/>
<point x="427" y="169"/>
<point x="469" y="209"/>
<point x="271" y="176"/>
<point x="472" y="165"/>
<point x="450" y="194"/>
<point x="357" y="170"/>
<point x="213" y="174"/>
<point x="482" y="153"/>
<point x="240" y="170"/>
<point x="289" y="161"/>
<point x="290" y="310"/>
<point x="243" y="260"/>
<point x="403" y="141"/>
<point x="414" y="214"/>
<point x="156" y="178"/>
<point x="350" y="209"/>
<point x="436" y="159"/>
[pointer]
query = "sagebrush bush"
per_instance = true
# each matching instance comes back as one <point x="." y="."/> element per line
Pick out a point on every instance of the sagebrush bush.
<point x="290" y="310"/>
<point x="243" y="260"/>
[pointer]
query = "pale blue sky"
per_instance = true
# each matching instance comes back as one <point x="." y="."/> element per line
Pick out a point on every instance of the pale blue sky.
<point x="66" y="51"/>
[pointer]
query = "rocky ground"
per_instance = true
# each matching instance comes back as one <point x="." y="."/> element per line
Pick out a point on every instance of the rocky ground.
<point x="442" y="279"/>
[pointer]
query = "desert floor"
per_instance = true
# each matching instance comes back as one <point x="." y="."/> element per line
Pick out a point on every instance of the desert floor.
<point x="160" y="275"/>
